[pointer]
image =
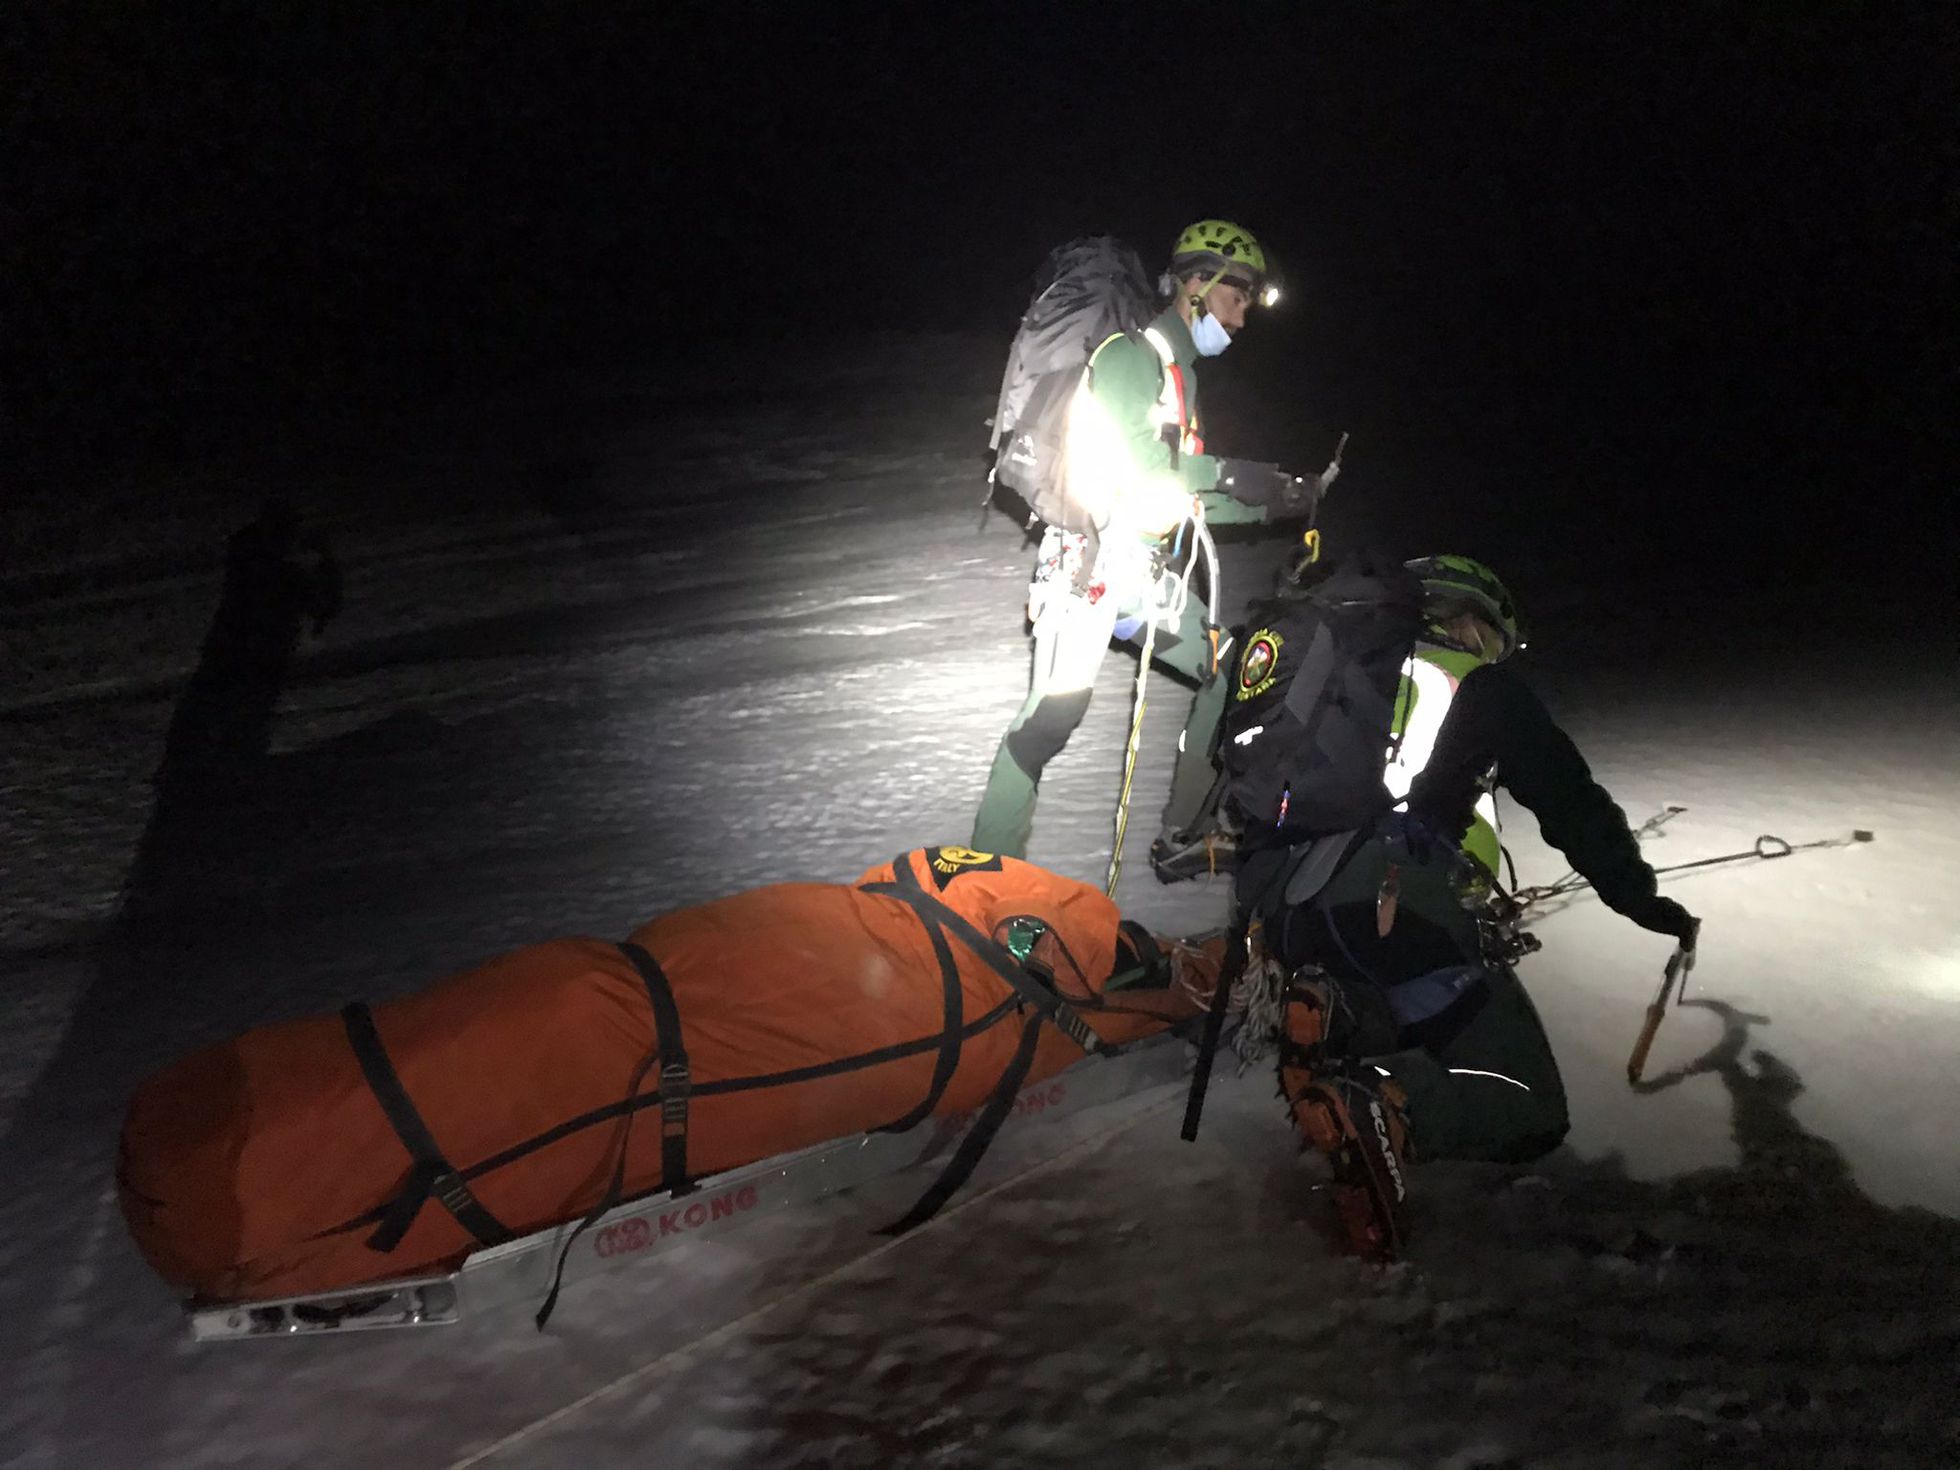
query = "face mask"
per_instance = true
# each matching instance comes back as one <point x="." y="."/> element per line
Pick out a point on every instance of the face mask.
<point x="1210" y="337"/>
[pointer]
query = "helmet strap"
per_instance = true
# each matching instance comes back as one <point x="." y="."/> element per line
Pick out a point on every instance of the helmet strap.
<point x="1174" y="280"/>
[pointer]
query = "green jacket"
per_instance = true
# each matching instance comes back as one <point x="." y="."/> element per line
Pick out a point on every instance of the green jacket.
<point x="1127" y="377"/>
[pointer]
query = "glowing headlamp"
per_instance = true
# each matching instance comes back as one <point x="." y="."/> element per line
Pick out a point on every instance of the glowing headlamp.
<point x="1266" y="295"/>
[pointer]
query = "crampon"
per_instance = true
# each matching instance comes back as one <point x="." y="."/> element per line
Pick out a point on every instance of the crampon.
<point x="1351" y="1113"/>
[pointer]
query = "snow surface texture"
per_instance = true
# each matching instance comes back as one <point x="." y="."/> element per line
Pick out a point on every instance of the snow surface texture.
<point x="716" y="640"/>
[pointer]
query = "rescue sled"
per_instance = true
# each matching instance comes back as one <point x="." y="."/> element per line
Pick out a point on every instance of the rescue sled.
<point x="320" y="1157"/>
<point x="657" y="1228"/>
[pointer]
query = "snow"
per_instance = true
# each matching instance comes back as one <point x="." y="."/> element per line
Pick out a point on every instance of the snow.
<point x="700" y="642"/>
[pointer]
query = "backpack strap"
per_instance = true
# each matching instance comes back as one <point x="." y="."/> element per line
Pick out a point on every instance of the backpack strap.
<point x="433" y="1176"/>
<point x="1189" y="440"/>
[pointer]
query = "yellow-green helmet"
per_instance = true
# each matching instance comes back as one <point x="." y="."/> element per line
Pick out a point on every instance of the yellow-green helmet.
<point x="1227" y="249"/>
<point x="1459" y="584"/>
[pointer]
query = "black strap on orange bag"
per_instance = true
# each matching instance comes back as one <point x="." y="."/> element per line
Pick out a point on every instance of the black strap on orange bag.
<point x="676" y="1087"/>
<point x="939" y="918"/>
<point x="433" y="1176"/>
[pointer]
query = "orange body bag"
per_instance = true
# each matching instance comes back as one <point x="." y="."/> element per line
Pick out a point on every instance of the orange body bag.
<point x="270" y="1165"/>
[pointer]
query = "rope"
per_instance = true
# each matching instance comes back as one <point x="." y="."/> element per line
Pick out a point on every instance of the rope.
<point x="1130" y="759"/>
<point x="1256" y="1000"/>
<point x="1258" y="994"/>
<point x="1169" y="595"/>
<point x="1765" y="848"/>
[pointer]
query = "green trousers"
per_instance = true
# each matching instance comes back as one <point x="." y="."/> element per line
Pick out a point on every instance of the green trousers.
<point x="1071" y="637"/>
<point x="1480" y="1075"/>
<point x="1491" y="1090"/>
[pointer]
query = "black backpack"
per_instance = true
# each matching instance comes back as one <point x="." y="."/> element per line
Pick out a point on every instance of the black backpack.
<point x="1087" y="291"/>
<point x="1307" y="731"/>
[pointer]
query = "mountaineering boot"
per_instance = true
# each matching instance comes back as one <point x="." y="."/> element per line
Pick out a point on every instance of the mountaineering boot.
<point x="1178" y="856"/>
<point x="1363" y="1131"/>
<point x="1344" y="1107"/>
<point x="1325" y="1022"/>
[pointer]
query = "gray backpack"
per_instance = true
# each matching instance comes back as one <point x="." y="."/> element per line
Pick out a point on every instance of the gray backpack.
<point x="1088" y="291"/>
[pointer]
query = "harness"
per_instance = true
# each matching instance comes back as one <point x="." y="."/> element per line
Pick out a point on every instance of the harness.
<point x="1172" y="411"/>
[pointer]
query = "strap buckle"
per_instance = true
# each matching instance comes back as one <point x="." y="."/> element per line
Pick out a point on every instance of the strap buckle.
<point x="675" y="1088"/>
<point x="451" y="1193"/>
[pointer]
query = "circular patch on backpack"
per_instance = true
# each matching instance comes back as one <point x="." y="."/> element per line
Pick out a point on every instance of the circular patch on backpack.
<point x="1260" y="664"/>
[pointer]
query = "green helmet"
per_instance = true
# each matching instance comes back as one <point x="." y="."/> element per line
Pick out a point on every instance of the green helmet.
<point x="1458" y="584"/>
<point x="1230" y="251"/>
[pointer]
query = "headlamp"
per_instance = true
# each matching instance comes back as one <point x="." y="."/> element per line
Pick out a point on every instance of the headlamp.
<point x="1266" y="295"/>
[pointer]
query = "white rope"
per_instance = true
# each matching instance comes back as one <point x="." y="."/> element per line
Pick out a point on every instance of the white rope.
<point x="1130" y="759"/>
<point x="1165" y="603"/>
<point x="1258" y="995"/>
<point x="1172" y="592"/>
<point x="1256" y="999"/>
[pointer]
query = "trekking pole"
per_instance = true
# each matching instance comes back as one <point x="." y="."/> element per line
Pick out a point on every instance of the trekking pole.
<point x="1130" y="756"/>
<point x="1678" y="965"/>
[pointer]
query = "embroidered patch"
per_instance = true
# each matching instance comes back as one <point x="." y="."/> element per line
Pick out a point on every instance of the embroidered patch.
<point x="1260" y="664"/>
<point x="948" y="862"/>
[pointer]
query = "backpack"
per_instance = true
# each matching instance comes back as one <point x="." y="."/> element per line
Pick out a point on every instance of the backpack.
<point x="1087" y="291"/>
<point x="1307" y="731"/>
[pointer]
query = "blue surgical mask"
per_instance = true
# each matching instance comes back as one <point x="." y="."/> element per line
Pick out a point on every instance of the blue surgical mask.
<point x="1210" y="337"/>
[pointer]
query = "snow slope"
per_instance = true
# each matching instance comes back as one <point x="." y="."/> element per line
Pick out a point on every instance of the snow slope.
<point x="610" y="652"/>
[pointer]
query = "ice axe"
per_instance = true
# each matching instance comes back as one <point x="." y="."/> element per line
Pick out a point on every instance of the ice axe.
<point x="1309" y="552"/>
<point x="1678" y="965"/>
<point x="1333" y="470"/>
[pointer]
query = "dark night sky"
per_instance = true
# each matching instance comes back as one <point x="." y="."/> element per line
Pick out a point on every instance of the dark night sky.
<point x="1636" y="261"/>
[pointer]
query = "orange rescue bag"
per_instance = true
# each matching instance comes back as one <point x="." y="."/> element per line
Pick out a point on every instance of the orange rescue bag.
<point x="325" y="1153"/>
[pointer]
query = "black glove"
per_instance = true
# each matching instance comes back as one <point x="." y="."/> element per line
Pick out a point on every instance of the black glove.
<point x="1256" y="483"/>
<point x="1253" y="481"/>
<point x="1418" y="836"/>
<point x="1299" y="499"/>
<point x="1665" y="916"/>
